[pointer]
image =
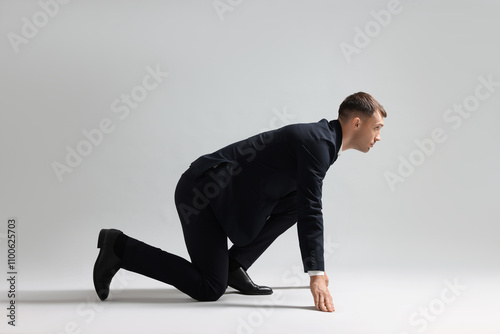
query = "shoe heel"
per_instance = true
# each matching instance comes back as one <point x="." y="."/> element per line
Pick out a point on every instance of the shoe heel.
<point x="100" y="240"/>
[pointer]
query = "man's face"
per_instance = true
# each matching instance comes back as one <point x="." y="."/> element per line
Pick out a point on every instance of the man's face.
<point x="368" y="132"/>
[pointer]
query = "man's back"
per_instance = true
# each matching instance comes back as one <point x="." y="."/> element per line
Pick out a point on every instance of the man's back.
<point x="250" y="176"/>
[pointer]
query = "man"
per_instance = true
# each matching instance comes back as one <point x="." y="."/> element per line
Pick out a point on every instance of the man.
<point x="250" y="191"/>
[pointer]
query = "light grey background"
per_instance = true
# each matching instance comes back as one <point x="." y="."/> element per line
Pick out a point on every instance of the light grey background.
<point x="230" y="75"/>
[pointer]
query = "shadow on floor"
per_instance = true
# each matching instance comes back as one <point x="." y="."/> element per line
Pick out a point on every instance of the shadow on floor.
<point x="152" y="296"/>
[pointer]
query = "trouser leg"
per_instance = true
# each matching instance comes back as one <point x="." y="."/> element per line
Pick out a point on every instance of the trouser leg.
<point x="283" y="216"/>
<point x="205" y="277"/>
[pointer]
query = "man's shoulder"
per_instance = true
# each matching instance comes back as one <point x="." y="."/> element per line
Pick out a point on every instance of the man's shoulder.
<point x="310" y="131"/>
<point x="322" y="139"/>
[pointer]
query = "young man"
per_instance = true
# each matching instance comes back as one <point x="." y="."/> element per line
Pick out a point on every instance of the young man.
<point x="250" y="191"/>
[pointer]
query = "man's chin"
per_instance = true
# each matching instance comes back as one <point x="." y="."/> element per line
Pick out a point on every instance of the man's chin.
<point x="364" y="150"/>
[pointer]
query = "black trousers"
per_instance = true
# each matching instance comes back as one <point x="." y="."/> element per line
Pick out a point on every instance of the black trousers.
<point x="205" y="277"/>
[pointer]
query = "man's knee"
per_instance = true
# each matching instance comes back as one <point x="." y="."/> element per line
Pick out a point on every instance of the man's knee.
<point x="211" y="294"/>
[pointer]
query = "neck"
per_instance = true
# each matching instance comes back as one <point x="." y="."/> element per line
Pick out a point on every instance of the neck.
<point x="346" y="137"/>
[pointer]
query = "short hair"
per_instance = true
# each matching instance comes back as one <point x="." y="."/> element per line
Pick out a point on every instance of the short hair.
<point x="360" y="104"/>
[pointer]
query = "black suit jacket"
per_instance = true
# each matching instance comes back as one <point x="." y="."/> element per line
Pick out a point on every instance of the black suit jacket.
<point x="244" y="181"/>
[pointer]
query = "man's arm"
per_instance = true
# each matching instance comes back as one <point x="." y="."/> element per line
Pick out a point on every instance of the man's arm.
<point x="312" y="164"/>
<point x="311" y="169"/>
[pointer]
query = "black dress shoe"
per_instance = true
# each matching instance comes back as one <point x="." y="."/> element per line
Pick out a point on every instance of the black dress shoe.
<point x="239" y="280"/>
<point x="107" y="263"/>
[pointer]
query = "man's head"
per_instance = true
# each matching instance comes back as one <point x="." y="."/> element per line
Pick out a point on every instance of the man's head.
<point x="361" y="118"/>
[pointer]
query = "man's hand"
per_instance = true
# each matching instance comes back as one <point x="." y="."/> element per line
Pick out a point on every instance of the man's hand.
<point x="319" y="289"/>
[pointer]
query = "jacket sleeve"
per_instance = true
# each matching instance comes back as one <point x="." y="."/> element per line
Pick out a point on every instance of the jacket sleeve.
<point x="312" y="164"/>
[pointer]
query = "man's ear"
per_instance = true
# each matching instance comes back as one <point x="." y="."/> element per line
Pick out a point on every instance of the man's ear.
<point x="356" y="123"/>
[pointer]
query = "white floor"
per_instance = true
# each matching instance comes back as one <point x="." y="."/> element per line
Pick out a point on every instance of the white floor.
<point x="365" y="303"/>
